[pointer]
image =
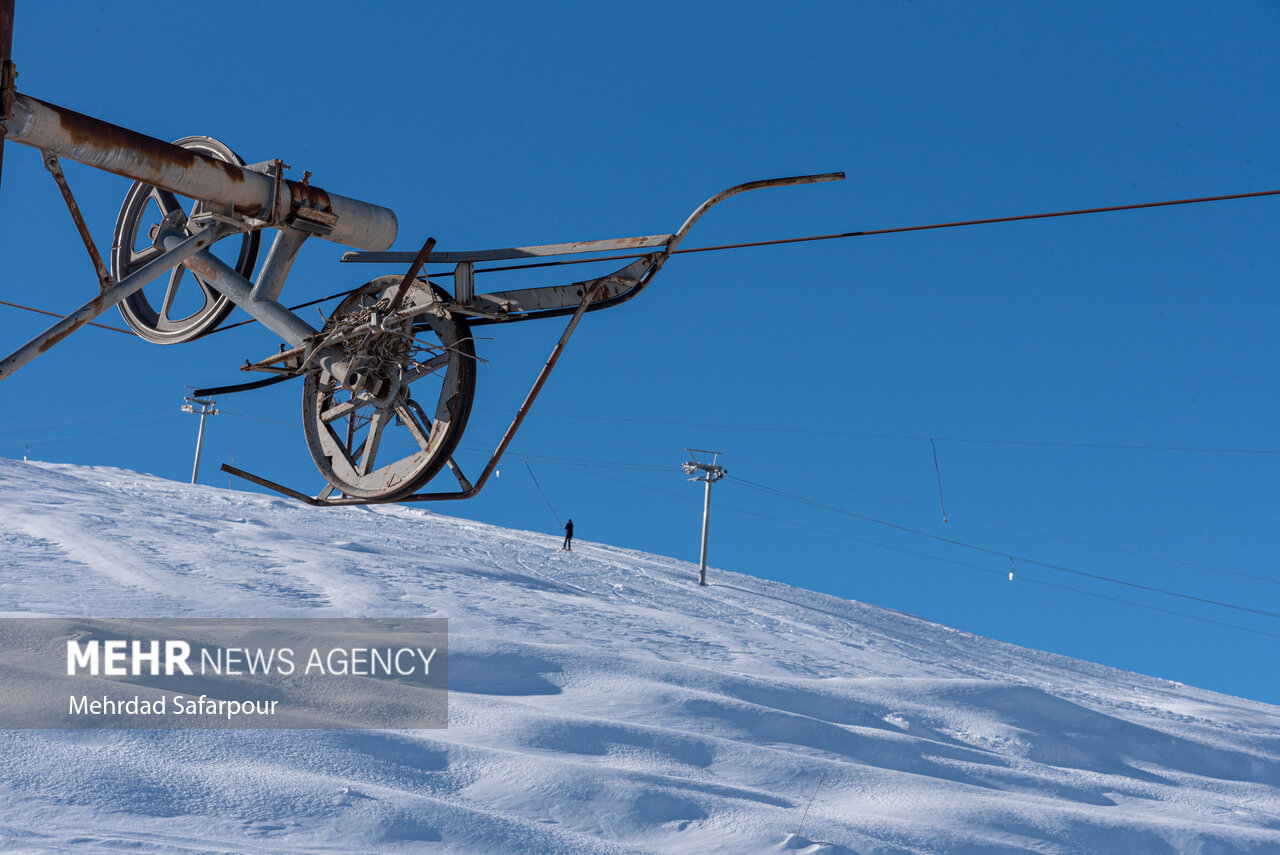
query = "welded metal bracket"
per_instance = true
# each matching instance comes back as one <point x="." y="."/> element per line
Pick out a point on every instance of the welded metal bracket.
<point x="273" y="169"/>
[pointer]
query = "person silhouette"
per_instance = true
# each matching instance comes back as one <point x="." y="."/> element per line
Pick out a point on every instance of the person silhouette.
<point x="568" y="536"/>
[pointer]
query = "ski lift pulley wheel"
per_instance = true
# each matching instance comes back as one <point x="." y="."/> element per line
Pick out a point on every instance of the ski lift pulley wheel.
<point x="409" y="391"/>
<point x="180" y="308"/>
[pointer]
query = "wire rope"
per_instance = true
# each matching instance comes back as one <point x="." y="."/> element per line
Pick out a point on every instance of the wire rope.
<point x="1027" y="559"/>
<point x="1022" y="577"/>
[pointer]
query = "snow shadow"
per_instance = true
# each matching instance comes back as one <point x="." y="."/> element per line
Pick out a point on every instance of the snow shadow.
<point x="501" y="673"/>
<point x="600" y="739"/>
<point x="1065" y="734"/>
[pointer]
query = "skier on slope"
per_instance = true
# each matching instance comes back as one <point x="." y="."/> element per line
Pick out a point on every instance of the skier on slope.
<point x="568" y="536"/>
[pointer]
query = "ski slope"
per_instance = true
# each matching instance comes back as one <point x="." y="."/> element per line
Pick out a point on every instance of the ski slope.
<point x="600" y="703"/>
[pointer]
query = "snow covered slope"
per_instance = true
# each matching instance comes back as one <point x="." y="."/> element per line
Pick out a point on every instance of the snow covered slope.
<point x="600" y="703"/>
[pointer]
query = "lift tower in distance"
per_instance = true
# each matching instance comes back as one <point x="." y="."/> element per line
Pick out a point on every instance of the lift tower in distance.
<point x="207" y="408"/>
<point x="711" y="474"/>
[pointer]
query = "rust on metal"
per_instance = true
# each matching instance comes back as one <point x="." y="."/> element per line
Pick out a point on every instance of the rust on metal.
<point x="201" y="268"/>
<point x="7" y="71"/>
<point x="105" y="279"/>
<point x="99" y="304"/>
<point x="412" y="273"/>
<point x="236" y="198"/>
<point x="8" y="82"/>
<point x="219" y="184"/>
<point x="468" y="490"/>
<point x="86" y="130"/>
<point x="129" y="153"/>
<point x="303" y="194"/>
<point x="54" y="339"/>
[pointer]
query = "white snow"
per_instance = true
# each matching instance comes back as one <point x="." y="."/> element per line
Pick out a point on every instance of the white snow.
<point x="600" y="702"/>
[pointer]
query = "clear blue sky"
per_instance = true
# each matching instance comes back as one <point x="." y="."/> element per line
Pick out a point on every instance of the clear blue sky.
<point x="811" y="366"/>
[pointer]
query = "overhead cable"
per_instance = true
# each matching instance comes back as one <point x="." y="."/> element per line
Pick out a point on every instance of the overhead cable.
<point x="1026" y="559"/>
<point x="58" y="315"/>
<point x="1022" y="577"/>
<point x="923" y="438"/>
<point x="540" y="490"/>
<point x="604" y="464"/>
<point x="900" y="229"/>
<point x="1026" y="530"/>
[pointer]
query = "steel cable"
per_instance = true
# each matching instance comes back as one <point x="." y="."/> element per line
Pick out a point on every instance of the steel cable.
<point x="987" y="570"/>
<point x="1002" y="554"/>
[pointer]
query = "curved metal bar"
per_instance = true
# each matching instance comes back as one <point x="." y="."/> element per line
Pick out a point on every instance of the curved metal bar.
<point x="218" y="391"/>
<point x="659" y="259"/>
<point x="743" y="188"/>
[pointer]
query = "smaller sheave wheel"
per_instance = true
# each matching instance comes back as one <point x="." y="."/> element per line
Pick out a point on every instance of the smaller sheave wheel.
<point x="180" y="306"/>
<point x="419" y="378"/>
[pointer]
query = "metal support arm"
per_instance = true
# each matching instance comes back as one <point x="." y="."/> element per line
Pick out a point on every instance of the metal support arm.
<point x="105" y="279"/>
<point x="177" y="251"/>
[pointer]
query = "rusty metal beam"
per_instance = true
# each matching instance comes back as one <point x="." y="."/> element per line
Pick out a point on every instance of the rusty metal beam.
<point x="6" y="29"/>
<point x="7" y="72"/>
<point x="220" y="185"/>
<point x="105" y="279"/>
<point x="412" y="273"/>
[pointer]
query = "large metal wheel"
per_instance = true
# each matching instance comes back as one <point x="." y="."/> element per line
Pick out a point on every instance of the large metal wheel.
<point x="179" y="307"/>
<point x="414" y="386"/>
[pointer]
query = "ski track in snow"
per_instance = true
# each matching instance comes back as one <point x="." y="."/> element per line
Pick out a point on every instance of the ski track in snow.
<point x="600" y="703"/>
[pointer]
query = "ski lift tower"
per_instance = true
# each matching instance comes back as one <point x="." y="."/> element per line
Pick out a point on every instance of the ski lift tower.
<point x="711" y="474"/>
<point x="207" y="408"/>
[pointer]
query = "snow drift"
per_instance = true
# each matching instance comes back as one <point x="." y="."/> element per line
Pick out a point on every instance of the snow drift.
<point x="600" y="703"/>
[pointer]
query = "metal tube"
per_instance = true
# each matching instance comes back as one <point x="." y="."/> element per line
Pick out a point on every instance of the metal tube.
<point x="706" y="520"/>
<point x="195" y="471"/>
<point x="100" y="144"/>
<point x="222" y="277"/>
<point x="280" y="258"/>
<point x="178" y="251"/>
<point x="269" y="313"/>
